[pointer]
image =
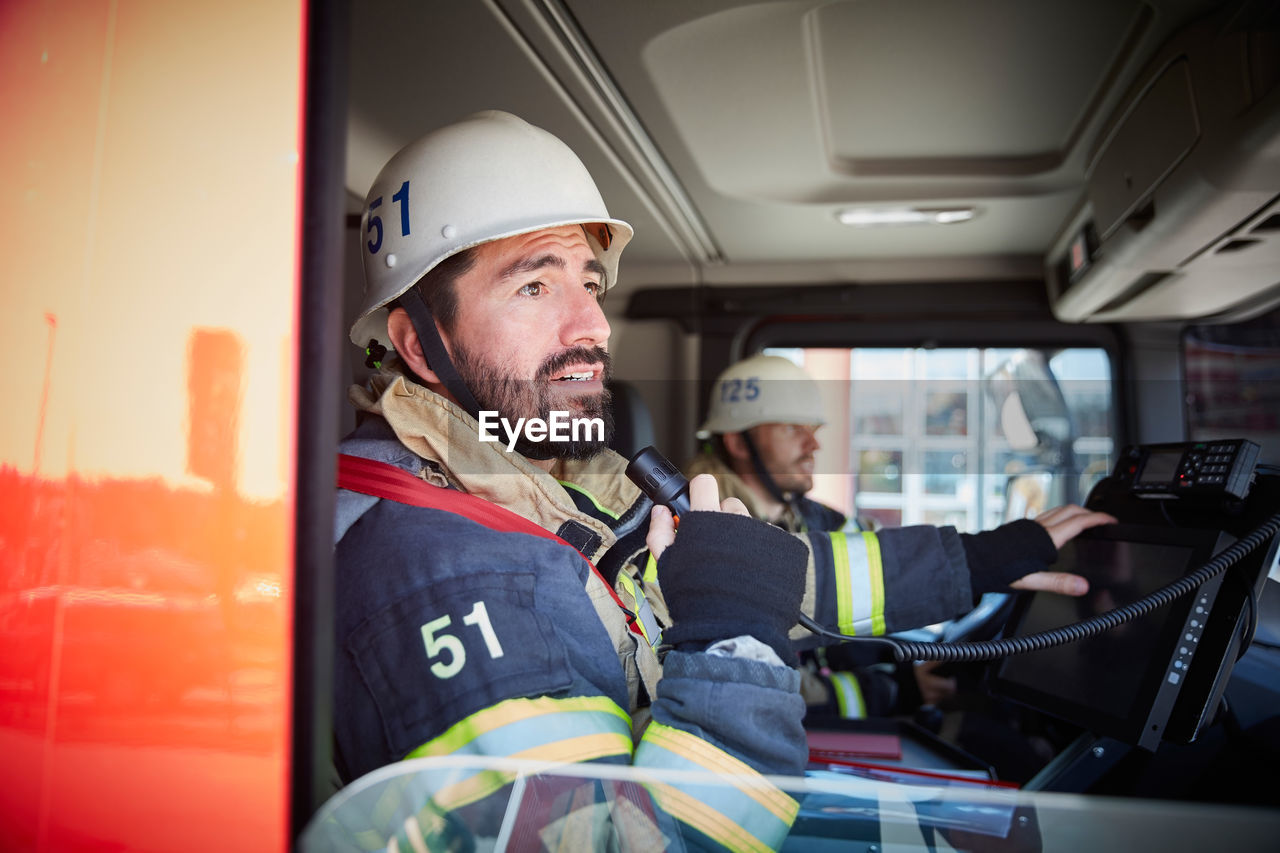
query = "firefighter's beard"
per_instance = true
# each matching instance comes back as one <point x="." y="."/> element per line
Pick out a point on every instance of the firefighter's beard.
<point x="495" y="391"/>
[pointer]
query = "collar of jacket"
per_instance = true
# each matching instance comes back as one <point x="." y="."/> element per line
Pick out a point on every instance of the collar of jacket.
<point x="733" y="486"/>
<point x="447" y="438"/>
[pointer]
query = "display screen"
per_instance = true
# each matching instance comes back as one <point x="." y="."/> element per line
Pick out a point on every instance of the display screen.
<point x="1161" y="466"/>
<point x="1079" y="255"/>
<point x="1106" y="683"/>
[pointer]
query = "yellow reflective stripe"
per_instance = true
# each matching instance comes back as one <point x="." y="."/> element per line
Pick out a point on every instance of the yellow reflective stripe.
<point x="585" y="748"/>
<point x="473" y="788"/>
<point x="645" y="617"/>
<point x="849" y="695"/>
<point x="590" y="497"/>
<point x="582" y="728"/>
<point x="859" y="581"/>
<point x="844" y="596"/>
<point x="630" y="587"/>
<point x="740" y="811"/>
<point x="689" y="809"/>
<point x="464" y="732"/>
<point x="413" y="833"/>
<point x="711" y="758"/>
<point x="875" y="570"/>
<point x="484" y="783"/>
<point x="650" y="569"/>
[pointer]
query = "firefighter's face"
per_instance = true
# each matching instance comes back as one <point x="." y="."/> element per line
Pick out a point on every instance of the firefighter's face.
<point x="787" y="452"/>
<point x="530" y="336"/>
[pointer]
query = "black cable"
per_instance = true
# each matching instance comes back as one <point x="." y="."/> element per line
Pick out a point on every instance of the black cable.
<point x="886" y="642"/>
<point x="904" y="650"/>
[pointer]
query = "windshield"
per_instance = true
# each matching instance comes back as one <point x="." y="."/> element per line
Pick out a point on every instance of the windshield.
<point x="964" y="436"/>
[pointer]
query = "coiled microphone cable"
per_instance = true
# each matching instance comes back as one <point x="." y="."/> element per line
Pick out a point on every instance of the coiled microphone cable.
<point x="908" y="650"/>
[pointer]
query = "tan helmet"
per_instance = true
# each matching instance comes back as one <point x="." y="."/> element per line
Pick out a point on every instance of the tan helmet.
<point x="762" y="389"/>
<point x="491" y="175"/>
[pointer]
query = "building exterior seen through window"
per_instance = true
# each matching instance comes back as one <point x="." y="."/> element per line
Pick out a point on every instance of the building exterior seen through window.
<point x="1233" y="382"/>
<point x="967" y="437"/>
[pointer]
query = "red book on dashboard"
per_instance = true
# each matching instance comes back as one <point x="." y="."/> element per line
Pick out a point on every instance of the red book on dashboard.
<point x="854" y="745"/>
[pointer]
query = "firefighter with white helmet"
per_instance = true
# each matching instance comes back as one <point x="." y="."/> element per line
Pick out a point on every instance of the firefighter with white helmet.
<point x="760" y="438"/>
<point x="468" y="620"/>
<point x="423" y="210"/>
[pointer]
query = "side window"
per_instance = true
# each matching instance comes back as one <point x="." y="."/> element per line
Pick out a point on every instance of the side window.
<point x="1232" y="382"/>
<point x="961" y="436"/>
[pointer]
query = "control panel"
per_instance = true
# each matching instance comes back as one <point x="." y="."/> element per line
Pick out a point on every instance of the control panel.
<point x="1180" y="663"/>
<point x="1193" y="469"/>
<point x="1193" y="630"/>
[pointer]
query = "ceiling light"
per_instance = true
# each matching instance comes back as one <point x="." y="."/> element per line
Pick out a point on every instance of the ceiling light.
<point x="862" y="217"/>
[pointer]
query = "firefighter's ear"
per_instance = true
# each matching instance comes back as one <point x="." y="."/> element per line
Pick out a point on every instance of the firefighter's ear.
<point x="736" y="446"/>
<point x="404" y="338"/>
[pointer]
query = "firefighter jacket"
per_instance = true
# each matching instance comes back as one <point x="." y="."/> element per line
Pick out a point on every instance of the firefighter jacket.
<point x="456" y="638"/>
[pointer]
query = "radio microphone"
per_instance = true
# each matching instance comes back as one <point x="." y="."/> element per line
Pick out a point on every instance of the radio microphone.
<point x="661" y="481"/>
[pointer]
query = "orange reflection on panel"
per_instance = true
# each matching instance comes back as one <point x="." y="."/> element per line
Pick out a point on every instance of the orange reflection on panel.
<point x="148" y="245"/>
<point x="214" y="374"/>
<point x="143" y="685"/>
<point x="141" y="688"/>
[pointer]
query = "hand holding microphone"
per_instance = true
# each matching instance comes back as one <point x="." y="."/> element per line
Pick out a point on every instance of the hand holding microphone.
<point x="726" y="575"/>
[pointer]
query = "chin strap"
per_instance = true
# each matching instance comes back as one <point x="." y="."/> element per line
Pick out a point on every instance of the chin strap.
<point x="434" y="351"/>
<point x="766" y="480"/>
<point x="437" y="356"/>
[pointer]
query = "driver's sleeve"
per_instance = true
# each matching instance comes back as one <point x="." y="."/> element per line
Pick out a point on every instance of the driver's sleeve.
<point x="871" y="583"/>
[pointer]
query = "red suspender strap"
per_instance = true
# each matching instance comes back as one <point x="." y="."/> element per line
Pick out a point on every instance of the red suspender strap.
<point x="381" y="480"/>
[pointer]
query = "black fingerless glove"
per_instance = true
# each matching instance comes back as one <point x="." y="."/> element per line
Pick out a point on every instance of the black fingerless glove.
<point x="728" y="575"/>
<point x="999" y="557"/>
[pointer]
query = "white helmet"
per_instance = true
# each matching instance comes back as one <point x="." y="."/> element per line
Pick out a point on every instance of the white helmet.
<point x="491" y="175"/>
<point x="762" y="389"/>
